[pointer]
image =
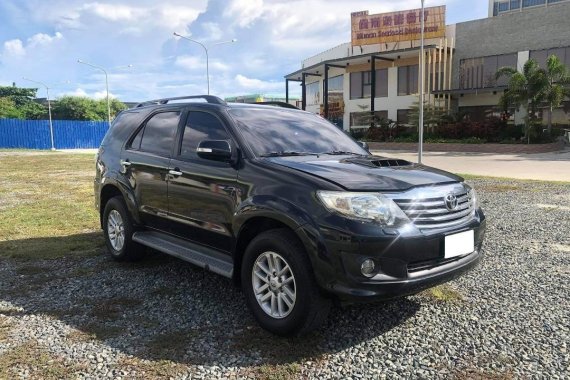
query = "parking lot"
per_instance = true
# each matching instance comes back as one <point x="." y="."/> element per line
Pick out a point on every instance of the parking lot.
<point x="68" y="311"/>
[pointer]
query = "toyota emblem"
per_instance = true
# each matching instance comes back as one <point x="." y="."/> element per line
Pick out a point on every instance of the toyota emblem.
<point x="450" y="202"/>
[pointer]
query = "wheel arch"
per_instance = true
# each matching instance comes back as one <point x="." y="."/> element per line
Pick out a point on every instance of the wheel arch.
<point x="112" y="189"/>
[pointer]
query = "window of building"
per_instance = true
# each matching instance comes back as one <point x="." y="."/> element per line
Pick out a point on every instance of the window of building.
<point x="403" y="117"/>
<point x="313" y="91"/>
<point x="381" y="83"/>
<point x="481" y="72"/>
<point x="515" y="4"/>
<point x="361" y="84"/>
<point x="531" y="3"/>
<point x="503" y="6"/>
<point x="407" y="80"/>
<point x="362" y="119"/>
<point x="541" y="56"/>
<point x="200" y="126"/>
<point x="158" y="134"/>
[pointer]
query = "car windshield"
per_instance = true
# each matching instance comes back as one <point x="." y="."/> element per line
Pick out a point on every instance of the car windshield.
<point x="274" y="132"/>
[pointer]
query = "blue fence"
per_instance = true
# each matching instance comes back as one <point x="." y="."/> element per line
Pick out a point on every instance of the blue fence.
<point x="67" y="134"/>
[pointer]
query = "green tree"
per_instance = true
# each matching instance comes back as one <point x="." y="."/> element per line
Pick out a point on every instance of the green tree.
<point x="557" y="85"/>
<point x="525" y="89"/>
<point x="84" y="108"/>
<point x="8" y="109"/>
<point x="22" y="101"/>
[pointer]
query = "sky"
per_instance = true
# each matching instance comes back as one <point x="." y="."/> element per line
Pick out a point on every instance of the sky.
<point x="42" y="40"/>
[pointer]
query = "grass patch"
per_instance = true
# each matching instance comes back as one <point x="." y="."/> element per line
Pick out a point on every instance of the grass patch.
<point x="100" y="331"/>
<point x="30" y="270"/>
<point x="171" y="344"/>
<point x="46" y="201"/>
<point x="443" y="293"/>
<point x="151" y="369"/>
<point x="275" y="350"/>
<point x="478" y="374"/>
<point x="278" y="372"/>
<point x="113" y="308"/>
<point x="497" y="188"/>
<point x="482" y="177"/>
<point x="5" y="327"/>
<point x="39" y="363"/>
<point x="163" y="291"/>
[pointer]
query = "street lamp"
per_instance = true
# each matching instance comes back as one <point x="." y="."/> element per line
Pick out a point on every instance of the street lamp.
<point x="205" y="50"/>
<point x="106" y="85"/>
<point x="49" y="109"/>
<point x="422" y="74"/>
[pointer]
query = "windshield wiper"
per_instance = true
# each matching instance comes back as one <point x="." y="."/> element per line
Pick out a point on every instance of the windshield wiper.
<point x="284" y="153"/>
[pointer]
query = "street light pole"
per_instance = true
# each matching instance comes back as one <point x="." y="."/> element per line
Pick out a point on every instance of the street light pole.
<point x="206" y="51"/>
<point x="422" y="79"/>
<point x="49" y="109"/>
<point x="106" y="85"/>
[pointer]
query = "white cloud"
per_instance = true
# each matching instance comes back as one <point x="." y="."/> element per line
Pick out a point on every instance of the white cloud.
<point x="244" y="12"/>
<point x="43" y="39"/>
<point x="114" y="12"/>
<point x="212" y="31"/>
<point x="95" y="95"/>
<point x="258" y="85"/>
<point x="13" y="48"/>
<point x="191" y="62"/>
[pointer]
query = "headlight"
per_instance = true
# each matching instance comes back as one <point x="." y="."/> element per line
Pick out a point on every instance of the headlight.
<point x="473" y="196"/>
<point x="371" y="207"/>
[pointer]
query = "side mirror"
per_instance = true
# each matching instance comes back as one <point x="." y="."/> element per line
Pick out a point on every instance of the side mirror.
<point x="217" y="150"/>
<point x="364" y="145"/>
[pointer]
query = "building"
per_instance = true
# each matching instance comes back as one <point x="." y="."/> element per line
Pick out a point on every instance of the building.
<point x="378" y="70"/>
<point x="257" y="98"/>
<point x="499" y="7"/>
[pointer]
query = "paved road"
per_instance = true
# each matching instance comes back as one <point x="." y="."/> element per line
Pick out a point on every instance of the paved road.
<point x="542" y="166"/>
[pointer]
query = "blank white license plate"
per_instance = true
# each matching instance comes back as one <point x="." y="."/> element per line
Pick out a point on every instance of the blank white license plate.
<point x="459" y="244"/>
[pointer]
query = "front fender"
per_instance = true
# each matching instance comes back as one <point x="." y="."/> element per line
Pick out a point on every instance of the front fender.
<point x="297" y="220"/>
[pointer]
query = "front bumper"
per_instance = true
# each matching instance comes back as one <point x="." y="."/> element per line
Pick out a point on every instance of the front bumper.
<point x="407" y="263"/>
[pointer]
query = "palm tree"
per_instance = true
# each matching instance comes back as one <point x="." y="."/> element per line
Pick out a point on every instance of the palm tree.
<point x="525" y="89"/>
<point x="557" y="88"/>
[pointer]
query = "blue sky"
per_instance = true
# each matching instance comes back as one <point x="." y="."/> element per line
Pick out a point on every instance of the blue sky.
<point x="42" y="40"/>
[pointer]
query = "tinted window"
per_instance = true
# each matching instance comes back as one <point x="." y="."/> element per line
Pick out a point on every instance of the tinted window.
<point x="201" y="126"/>
<point x="279" y="130"/>
<point x="159" y="133"/>
<point x="408" y="80"/>
<point x="136" y="143"/>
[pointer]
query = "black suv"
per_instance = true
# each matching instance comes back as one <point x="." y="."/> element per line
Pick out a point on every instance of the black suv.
<point x="296" y="212"/>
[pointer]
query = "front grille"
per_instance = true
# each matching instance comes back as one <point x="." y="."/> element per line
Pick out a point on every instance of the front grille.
<point x="432" y="213"/>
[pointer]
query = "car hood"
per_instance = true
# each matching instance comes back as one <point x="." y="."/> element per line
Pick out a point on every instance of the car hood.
<point x="361" y="173"/>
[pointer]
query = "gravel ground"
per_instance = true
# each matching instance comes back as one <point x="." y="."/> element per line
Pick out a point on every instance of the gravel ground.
<point x="91" y="318"/>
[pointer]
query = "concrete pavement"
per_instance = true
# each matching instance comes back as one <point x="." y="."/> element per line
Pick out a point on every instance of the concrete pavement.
<point x="553" y="166"/>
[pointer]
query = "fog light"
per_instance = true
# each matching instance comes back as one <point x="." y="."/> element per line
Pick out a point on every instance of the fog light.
<point x="367" y="268"/>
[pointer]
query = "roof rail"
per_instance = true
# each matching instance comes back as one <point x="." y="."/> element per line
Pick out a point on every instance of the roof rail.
<point x="208" y="98"/>
<point x="278" y="104"/>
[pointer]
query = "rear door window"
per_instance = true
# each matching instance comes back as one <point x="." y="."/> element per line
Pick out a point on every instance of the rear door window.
<point x="158" y="134"/>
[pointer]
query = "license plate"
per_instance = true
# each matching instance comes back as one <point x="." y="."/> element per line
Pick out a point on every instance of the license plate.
<point x="459" y="244"/>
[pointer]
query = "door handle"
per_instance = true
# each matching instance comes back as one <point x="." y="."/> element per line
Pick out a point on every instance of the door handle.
<point x="175" y="172"/>
<point x="125" y="162"/>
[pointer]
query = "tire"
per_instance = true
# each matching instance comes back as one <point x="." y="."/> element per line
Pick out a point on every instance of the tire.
<point x="309" y="307"/>
<point x="116" y="222"/>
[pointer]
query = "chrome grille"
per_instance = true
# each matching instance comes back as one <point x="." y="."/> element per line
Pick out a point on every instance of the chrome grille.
<point x="428" y="211"/>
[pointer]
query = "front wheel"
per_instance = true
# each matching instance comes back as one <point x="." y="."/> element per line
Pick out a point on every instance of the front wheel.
<point x="118" y="230"/>
<point x="279" y="286"/>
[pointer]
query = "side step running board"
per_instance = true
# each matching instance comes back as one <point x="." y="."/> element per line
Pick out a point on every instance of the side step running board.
<point x="203" y="257"/>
